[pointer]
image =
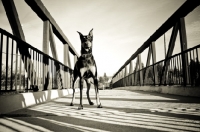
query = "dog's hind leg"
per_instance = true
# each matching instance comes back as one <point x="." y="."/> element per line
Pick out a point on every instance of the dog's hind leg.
<point x="97" y="93"/>
<point x="88" y="92"/>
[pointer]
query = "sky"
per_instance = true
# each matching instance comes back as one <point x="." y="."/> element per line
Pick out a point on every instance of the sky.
<point x="120" y="27"/>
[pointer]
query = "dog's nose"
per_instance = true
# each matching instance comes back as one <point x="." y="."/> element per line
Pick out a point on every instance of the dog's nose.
<point x="87" y="43"/>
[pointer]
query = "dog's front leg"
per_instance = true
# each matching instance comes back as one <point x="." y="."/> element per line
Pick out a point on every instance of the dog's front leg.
<point x="97" y="93"/>
<point x="81" y="93"/>
<point x="73" y="95"/>
<point x="88" y="92"/>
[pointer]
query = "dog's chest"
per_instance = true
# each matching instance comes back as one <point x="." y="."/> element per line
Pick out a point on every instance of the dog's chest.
<point x="87" y="67"/>
<point x="87" y="62"/>
<point x="88" y="72"/>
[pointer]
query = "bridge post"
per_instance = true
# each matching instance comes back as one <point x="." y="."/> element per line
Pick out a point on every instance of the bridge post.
<point x="171" y="46"/>
<point x="138" y="72"/>
<point x="121" y="76"/>
<point x="67" y="62"/>
<point x="146" y="71"/>
<point x="154" y="61"/>
<point x="75" y="60"/>
<point x="140" y="69"/>
<point x="125" y="76"/>
<point x="130" y="72"/>
<point x="118" y="78"/>
<point x="183" y="40"/>
<point x="45" y="49"/>
<point x="55" y="56"/>
<point x="121" y="80"/>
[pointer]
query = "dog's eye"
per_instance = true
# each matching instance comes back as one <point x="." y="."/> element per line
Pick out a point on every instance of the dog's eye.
<point x="89" y="38"/>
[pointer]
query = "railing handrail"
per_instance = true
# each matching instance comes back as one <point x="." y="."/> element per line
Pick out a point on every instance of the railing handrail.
<point x="30" y="46"/>
<point x="186" y="8"/>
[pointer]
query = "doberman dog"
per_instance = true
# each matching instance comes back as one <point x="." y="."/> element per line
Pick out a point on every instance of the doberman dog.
<point x="85" y="68"/>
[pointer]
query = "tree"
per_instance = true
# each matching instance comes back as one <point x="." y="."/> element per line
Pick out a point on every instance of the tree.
<point x="101" y="80"/>
<point x="105" y="78"/>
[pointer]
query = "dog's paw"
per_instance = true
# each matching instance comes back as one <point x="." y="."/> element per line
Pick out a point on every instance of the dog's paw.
<point x="91" y="103"/>
<point x="100" y="106"/>
<point x="71" y="104"/>
<point x="80" y="107"/>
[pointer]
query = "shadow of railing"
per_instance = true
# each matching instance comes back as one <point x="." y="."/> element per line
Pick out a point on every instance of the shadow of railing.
<point x="59" y="116"/>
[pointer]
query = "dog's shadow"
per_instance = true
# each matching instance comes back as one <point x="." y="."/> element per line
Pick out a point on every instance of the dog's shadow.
<point x="75" y="106"/>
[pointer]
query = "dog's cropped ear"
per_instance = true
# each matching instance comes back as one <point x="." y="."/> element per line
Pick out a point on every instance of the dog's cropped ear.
<point x="81" y="35"/>
<point x="91" y="33"/>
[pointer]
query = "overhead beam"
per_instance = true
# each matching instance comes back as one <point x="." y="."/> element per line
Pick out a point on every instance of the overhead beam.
<point x="52" y="43"/>
<point x="13" y="18"/>
<point x="186" y="8"/>
<point x="38" y="7"/>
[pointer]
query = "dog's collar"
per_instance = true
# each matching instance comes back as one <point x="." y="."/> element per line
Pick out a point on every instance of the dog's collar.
<point x="86" y="55"/>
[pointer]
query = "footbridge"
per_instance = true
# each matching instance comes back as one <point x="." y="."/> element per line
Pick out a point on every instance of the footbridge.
<point x="35" y="88"/>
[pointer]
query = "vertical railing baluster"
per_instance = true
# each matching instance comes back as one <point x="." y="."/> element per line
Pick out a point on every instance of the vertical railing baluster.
<point x="52" y="73"/>
<point x="30" y="69"/>
<point x="195" y="67"/>
<point x="190" y="73"/>
<point x="38" y="75"/>
<point x="198" y="68"/>
<point x="33" y="69"/>
<point x="176" y="63"/>
<point x="168" y="76"/>
<point x="20" y="69"/>
<point x="36" y="68"/>
<point x="197" y="55"/>
<point x="7" y="52"/>
<point x="11" y="87"/>
<point x="27" y="79"/>
<point x="43" y="72"/>
<point x="40" y="72"/>
<point x="179" y="70"/>
<point x="176" y="70"/>
<point x="16" y="64"/>
<point x="173" y="70"/>
<point x="24" y="72"/>
<point x="1" y="49"/>
<point x="173" y="73"/>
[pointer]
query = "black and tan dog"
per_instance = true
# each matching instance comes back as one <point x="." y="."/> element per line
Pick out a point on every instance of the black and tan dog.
<point x="85" y="68"/>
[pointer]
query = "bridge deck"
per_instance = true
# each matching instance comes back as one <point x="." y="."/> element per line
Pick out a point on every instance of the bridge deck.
<point x="123" y="111"/>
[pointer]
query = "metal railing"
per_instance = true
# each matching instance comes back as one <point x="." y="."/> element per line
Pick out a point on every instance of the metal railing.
<point x="179" y="69"/>
<point x="17" y="74"/>
<point x="174" y="72"/>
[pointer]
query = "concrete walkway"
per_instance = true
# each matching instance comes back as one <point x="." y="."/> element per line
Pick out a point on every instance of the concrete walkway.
<point x="123" y="111"/>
